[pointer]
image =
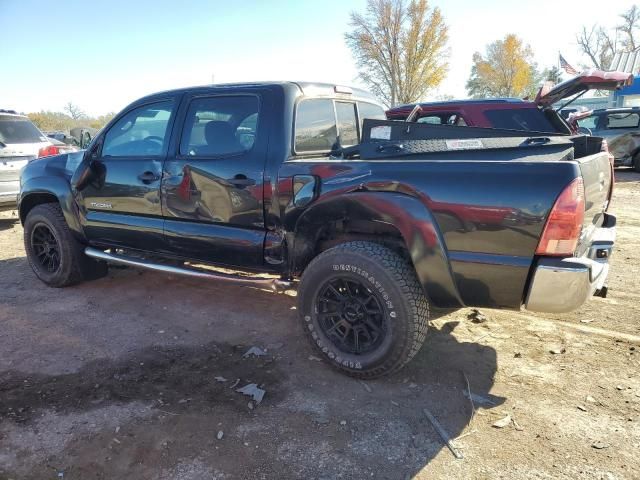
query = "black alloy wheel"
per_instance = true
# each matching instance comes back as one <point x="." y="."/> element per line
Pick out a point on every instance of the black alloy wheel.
<point x="351" y="315"/>
<point x="46" y="247"/>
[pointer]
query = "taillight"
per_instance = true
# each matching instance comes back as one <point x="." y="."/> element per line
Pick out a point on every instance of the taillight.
<point x="48" y="151"/>
<point x="562" y="231"/>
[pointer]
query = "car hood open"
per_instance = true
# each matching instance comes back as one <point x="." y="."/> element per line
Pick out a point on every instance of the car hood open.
<point x="587" y="80"/>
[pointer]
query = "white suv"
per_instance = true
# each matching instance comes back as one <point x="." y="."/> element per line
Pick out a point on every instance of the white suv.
<point x="20" y="142"/>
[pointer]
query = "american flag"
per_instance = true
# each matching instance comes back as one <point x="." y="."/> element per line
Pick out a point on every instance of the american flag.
<point x="566" y="67"/>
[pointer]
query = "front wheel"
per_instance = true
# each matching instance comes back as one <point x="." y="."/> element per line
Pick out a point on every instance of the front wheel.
<point x="363" y="309"/>
<point x="54" y="254"/>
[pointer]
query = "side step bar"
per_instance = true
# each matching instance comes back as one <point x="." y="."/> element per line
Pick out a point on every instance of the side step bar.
<point x="274" y="284"/>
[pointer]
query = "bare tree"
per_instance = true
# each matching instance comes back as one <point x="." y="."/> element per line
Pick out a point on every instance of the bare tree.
<point x="74" y="111"/>
<point x="400" y="48"/>
<point x="598" y="45"/>
<point x="629" y="26"/>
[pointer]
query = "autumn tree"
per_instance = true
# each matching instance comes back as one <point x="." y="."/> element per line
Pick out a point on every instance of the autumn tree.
<point x="400" y="48"/>
<point x="59" y="121"/>
<point x="505" y="70"/>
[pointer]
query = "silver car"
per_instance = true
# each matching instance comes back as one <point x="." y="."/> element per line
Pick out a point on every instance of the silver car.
<point x="20" y="142"/>
<point x="621" y="128"/>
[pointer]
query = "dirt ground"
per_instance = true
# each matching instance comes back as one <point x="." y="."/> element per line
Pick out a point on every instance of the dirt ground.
<point x="117" y="379"/>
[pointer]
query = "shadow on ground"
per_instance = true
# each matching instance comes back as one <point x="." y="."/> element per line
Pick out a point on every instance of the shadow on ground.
<point x="313" y="422"/>
<point x="625" y="175"/>
<point x="8" y="223"/>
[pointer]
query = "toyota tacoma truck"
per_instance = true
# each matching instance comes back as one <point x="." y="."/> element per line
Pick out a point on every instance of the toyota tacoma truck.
<point x="308" y="186"/>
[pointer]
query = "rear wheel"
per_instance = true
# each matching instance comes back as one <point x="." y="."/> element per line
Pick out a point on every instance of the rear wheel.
<point x="363" y="309"/>
<point x="54" y="254"/>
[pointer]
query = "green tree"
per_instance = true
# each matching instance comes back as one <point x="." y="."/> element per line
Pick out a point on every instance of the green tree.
<point x="506" y="69"/>
<point x="553" y="74"/>
<point x="400" y="48"/>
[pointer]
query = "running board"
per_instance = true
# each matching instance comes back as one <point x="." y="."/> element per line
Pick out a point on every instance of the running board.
<point x="274" y="284"/>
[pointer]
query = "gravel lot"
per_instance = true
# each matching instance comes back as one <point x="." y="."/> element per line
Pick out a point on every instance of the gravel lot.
<point x="117" y="379"/>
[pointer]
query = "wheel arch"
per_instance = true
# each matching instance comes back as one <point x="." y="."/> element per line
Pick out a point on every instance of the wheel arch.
<point x="39" y="190"/>
<point x="396" y="220"/>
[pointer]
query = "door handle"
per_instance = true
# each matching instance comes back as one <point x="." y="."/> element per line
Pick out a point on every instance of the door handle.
<point x="241" y="182"/>
<point x="148" y="177"/>
<point x="537" y="141"/>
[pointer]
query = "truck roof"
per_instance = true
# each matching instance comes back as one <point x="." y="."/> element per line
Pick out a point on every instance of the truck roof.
<point x="306" y="88"/>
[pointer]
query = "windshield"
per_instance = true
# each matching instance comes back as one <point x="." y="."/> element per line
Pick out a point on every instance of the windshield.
<point x="19" y="130"/>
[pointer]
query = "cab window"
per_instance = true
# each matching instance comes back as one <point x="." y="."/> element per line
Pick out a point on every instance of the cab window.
<point x="316" y="129"/>
<point x="347" y="123"/>
<point x="220" y="126"/>
<point x="370" y="110"/>
<point x="324" y="124"/>
<point x="142" y="132"/>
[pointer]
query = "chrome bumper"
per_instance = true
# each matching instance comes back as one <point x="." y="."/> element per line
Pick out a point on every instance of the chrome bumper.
<point x="561" y="285"/>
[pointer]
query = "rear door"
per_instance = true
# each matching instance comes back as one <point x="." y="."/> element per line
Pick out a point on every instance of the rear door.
<point x="212" y="191"/>
<point x="123" y="205"/>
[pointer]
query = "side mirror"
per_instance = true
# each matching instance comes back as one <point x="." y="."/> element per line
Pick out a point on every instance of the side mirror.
<point x="89" y="169"/>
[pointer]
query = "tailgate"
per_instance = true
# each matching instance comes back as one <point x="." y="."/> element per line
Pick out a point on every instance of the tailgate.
<point x="597" y="176"/>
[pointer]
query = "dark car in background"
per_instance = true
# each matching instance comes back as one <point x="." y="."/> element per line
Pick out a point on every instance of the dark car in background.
<point x="621" y="128"/>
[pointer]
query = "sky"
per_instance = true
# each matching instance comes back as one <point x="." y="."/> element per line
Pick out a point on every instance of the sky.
<point x="102" y="55"/>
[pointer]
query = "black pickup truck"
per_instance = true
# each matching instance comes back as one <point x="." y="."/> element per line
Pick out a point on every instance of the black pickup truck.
<point x="374" y="221"/>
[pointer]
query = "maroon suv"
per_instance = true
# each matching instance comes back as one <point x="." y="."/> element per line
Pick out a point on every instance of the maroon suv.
<point x="514" y="113"/>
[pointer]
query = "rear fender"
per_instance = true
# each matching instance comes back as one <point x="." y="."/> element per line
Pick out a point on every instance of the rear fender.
<point x="406" y="214"/>
<point x="39" y="190"/>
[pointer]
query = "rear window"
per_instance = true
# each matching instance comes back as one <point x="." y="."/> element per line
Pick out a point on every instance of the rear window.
<point x="19" y="130"/>
<point x="530" y="119"/>
<point x="220" y="125"/>
<point x="347" y="123"/>
<point x="370" y="110"/>
<point x="316" y="129"/>
<point x="324" y="124"/>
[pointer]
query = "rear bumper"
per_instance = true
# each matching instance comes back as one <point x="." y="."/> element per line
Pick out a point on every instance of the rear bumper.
<point x="561" y="285"/>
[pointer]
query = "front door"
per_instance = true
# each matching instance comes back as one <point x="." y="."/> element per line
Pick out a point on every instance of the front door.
<point x="122" y="205"/>
<point x="212" y="190"/>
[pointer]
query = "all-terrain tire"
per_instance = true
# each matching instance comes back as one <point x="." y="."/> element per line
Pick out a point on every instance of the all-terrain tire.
<point x="374" y="271"/>
<point x="73" y="266"/>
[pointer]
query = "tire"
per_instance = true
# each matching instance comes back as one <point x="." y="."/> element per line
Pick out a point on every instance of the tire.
<point x="636" y="162"/>
<point x="353" y="287"/>
<point x="55" y="255"/>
